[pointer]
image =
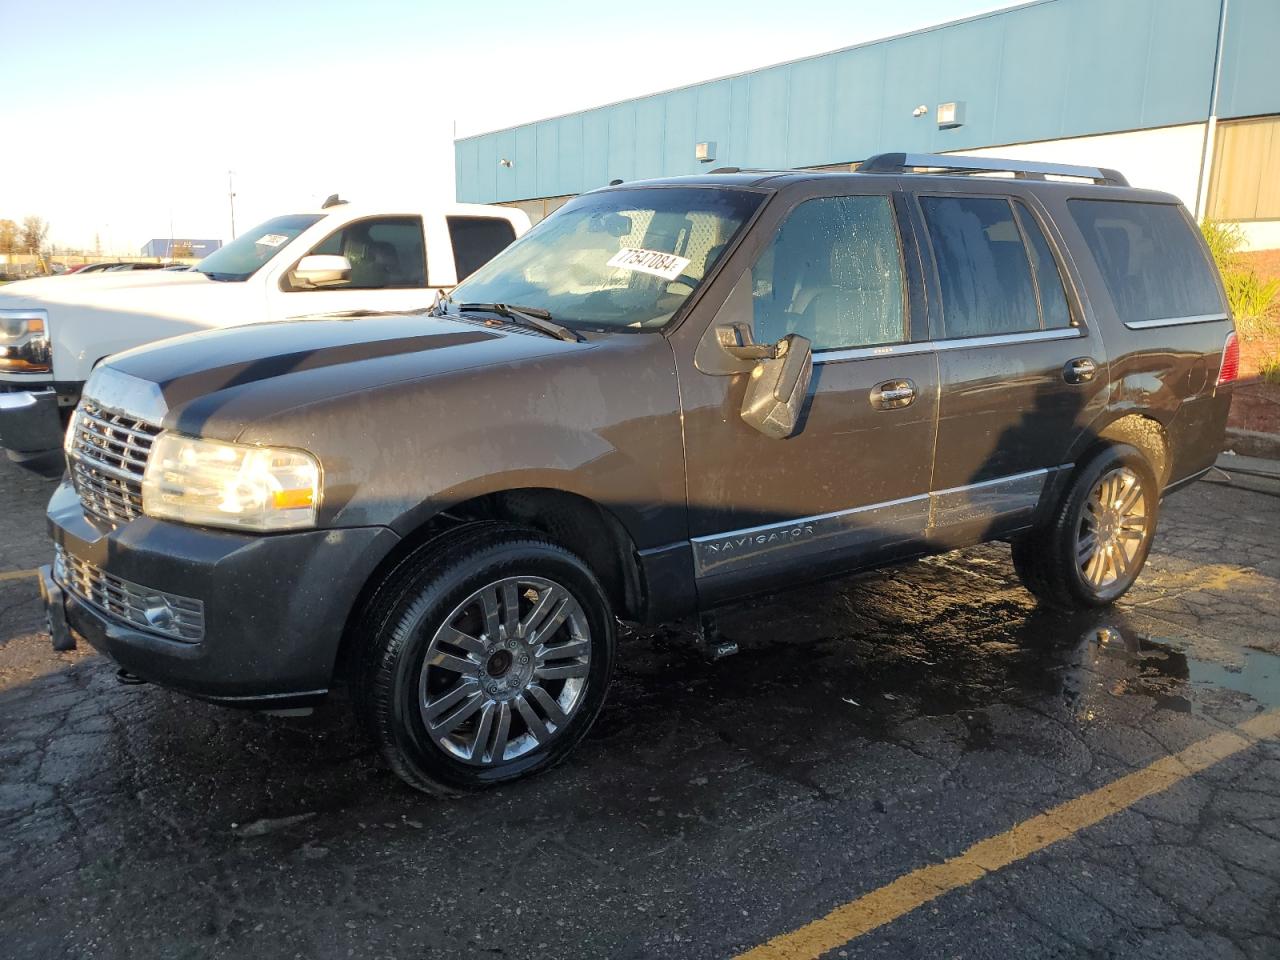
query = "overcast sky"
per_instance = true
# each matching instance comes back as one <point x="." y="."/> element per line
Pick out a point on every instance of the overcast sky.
<point x="122" y="118"/>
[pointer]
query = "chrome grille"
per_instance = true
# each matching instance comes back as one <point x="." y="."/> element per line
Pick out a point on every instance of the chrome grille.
<point x="108" y="456"/>
<point x="173" y="616"/>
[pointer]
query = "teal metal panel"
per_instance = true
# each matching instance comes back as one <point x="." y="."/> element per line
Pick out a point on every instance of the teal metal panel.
<point x="622" y="143"/>
<point x="1179" y="66"/>
<point x="1105" y="91"/>
<point x="595" y="148"/>
<point x="650" y="138"/>
<point x="1056" y="68"/>
<point x="569" y="171"/>
<point x="1250" y="83"/>
<point x="547" y="168"/>
<point x="1034" y="61"/>
<point x="857" y="110"/>
<point x="910" y="79"/>
<point x="735" y="152"/>
<point x="680" y="132"/>
<point x="715" y="120"/>
<point x="526" y="162"/>
<point x="767" y="103"/>
<point x="969" y="70"/>
<point x="811" y="99"/>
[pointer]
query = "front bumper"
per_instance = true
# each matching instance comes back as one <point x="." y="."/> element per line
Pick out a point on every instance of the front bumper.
<point x="275" y="606"/>
<point x="30" y="423"/>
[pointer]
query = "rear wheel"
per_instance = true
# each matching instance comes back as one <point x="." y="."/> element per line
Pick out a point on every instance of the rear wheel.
<point x="486" y="659"/>
<point x="1096" y="541"/>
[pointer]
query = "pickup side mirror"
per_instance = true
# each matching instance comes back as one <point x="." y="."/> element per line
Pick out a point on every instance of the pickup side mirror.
<point x="777" y="387"/>
<point x="321" y="270"/>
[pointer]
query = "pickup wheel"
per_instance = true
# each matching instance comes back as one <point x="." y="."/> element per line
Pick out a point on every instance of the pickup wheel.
<point x="486" y="657"/>
<point x="1094" y="544"/>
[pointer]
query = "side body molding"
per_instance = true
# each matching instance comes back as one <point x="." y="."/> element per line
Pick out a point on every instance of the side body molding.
<point x="943" y="518"/>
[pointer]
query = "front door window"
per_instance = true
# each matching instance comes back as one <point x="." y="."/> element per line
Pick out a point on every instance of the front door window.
<point x="386" y="253"/>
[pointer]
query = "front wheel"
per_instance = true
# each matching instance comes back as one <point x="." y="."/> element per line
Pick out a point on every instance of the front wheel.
<point x="485" y="660"/>
<point x="1096" y="541"/>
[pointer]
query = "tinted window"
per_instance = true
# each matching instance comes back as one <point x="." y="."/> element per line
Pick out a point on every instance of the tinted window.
<point x="385" y="253"/>
<point x="833" y="274"/>
<point x="982" y="266"/>
<point x="477" y="240"/>
<point x="1053" y="296"/>
<point x="1152" y="263"/>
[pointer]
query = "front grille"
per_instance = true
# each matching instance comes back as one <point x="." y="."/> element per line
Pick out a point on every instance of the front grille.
<point x="108" y="457"/>
<point x="179" y="618"/>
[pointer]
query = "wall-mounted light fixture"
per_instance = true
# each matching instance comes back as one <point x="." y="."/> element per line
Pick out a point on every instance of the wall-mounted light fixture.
<point x="920" y="111"/>
<point x="504" y="162"/>
<point x="705" y="151"/>
<point x="951" y="115"/>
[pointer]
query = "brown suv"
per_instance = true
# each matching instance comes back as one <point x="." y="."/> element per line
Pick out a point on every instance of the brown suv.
<point x="667" y="396"/>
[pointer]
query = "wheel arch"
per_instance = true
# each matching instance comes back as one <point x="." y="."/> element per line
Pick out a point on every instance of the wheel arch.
<point x="576" y="522"/>
<point x="1141" y="430"/>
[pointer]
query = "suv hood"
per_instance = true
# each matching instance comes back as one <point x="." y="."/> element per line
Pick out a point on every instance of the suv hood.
<point x="216" y="382"/>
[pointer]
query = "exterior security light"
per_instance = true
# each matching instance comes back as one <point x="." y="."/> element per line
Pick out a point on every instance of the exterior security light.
<point x="920" y="111"/>
<point x="705" y="151"/>
<point x="504" y="162"/>
<point x="951" y="115"/>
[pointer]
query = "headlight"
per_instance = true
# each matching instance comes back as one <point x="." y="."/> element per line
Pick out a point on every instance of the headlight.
<point x="216" y="484"/>
<point x="24" y="341"/>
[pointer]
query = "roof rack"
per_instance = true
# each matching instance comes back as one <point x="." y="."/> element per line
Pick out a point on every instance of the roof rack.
<point x="1021" y="169"/>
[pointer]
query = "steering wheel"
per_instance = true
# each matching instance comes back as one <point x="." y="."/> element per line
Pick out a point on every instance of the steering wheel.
<point x="686" y="279"/>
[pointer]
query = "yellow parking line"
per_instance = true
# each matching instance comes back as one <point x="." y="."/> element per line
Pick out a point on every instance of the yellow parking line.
<point x="903" y="895"/>
<point x="18" y="574"/>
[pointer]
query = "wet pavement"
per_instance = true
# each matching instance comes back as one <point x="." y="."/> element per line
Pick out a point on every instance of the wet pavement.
<point x="869" y="727"/>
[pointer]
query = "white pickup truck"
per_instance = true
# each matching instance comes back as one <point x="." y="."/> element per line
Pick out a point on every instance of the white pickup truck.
<point x="342" y="257"/>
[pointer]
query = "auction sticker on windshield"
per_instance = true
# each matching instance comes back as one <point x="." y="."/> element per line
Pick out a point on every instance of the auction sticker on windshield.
<point x="271" y="239"/>
<point x="665" y="265"/>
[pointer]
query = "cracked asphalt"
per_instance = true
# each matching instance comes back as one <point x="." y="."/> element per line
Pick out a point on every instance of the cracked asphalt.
<point x="869" y="727"/>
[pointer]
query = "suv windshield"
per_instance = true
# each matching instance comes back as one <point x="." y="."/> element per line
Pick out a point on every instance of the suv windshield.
<point x="242" y="257"/>
<point x="617" y="259"/>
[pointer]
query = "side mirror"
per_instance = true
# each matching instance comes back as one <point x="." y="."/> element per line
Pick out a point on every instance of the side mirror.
<point x="777" y="388"/>
<point x="321" y="270"/>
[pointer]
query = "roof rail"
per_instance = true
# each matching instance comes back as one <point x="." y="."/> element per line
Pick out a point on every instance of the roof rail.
<point x="1022" y="169"/>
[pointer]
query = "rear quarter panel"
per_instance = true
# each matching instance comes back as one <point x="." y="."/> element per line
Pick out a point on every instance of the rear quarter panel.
<point x="1167" y="373"/>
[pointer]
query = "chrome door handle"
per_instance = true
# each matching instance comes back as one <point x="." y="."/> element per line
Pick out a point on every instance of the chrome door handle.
<point x="1079" y="370"/>
<point x="893" y="394"/>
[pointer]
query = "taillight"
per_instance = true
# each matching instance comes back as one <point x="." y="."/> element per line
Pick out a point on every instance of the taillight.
<point x="1230" y="368"/>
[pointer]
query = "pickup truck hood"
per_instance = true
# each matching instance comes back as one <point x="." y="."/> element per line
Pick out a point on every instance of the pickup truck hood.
<point x="188" y="295"/>
<point x="97" y="315"/>
<point x="218" y="382"/>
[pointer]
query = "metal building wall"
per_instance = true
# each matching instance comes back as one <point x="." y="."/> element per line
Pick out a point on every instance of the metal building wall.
<point x="1047" y="70"/>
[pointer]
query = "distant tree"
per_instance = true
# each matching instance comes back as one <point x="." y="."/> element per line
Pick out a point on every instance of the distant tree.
<point x="34" y="233"/>
<point x="8" y="236"/>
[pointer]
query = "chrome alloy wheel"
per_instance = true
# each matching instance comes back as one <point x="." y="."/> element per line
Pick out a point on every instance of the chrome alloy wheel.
<point x="1113" y="526"/>
<point x="506" y="671"/>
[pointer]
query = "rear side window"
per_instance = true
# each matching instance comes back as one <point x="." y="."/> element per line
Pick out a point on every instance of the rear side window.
<point x="983" y="266"/>
<point x="1053" y="296"/>
<point x="1152" y="263"/>
<point x="477" y="240"/>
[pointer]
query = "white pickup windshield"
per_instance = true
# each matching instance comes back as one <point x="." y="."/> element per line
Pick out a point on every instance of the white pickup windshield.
<point x="246" y="254"/>
<point x="617" y="259"/>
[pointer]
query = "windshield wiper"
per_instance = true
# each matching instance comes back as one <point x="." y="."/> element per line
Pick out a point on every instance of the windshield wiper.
<point x="534" y="317"/>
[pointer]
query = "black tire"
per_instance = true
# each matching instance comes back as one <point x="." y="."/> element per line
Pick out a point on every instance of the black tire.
<point x="1046" y="558"/>
<point x="406" y="612"/>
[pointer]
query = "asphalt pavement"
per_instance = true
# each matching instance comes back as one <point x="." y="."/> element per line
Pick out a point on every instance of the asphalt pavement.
<point x="913" y="763"/>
